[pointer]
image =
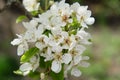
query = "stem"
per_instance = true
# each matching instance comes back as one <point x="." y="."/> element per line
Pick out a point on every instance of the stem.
<point x="46" y="4"/>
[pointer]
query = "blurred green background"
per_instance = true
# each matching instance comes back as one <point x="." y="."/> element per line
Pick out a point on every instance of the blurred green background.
<point x="104" y="52"/>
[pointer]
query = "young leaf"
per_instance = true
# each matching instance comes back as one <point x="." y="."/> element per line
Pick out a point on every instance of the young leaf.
<point x="30" y="53"/>
<point x="18" y="72"/>
<point x="20" y="18"/>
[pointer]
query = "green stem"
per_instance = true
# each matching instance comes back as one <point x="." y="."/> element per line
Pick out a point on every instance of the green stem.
<point x="46" y="4"/>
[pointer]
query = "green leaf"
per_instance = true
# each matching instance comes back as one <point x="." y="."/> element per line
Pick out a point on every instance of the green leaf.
<point x="35" y="75"/>
<point x="20" y="18"/>
<point x="44" y="64"/>
<point x="30" y="53"/>
<point x="47" y="32"/>
<point x="34" y="13"/>
<point x="18" y="72"/>
<point x="57" y="76"/>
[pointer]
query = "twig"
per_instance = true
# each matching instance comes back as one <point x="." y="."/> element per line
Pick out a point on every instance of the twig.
<point x="18" y="4"/>
<point x="4" y="8"/>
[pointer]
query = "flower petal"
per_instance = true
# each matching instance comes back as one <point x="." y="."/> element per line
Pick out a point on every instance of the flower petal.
<point x="16" y="42"/>
<point x="90" y="21"/>
<point x="20" y="50"/>
<point x="26" y="67"/>
<point x="66" y="58"/>
<point x="56" y="66"/>
<point x="75" y="72"/>
<point x="77" y="59"/>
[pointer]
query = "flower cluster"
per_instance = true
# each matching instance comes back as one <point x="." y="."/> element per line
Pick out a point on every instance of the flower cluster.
<point x="59" y="35"/>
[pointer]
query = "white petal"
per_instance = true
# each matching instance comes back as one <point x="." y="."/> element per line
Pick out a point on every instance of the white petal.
<point x="56" y="66"/>
<point x="39" y="45"/>
<point x="90" y="21"/>
<point x="16" y="42"/>
<point x="80" y="49"/>
<point x="84" y="64"/>
<point x="66" y="58"/>
<point x="35" y="66"/>
<point x="56" y="48"/>
<point x="39" y="31"/>
<point x="77" y="59"/>
<point x="20" y="50"/>
<point x="49" y="51"/>
<point x="26" y="67"/>
<point x="33" y="59"/>
<point x="83" y="24"/>
<point x="74" y="6"/>
<point x="76" y="72"/>
<point x="85" y="58"/>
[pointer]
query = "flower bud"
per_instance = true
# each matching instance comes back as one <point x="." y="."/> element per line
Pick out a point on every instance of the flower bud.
<point x="42" y="76"/>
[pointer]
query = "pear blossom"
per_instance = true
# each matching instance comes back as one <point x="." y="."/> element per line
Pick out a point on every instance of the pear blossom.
<point x="84" y="16"/>
<point x="58" y="60"/>
<point x="25" y="68"/>
<point x="31" y="5"/>
<point x="22" y="44"/>
<point x="76" y="72"/>
<point x="84" y="37"/>
<point x="59" y="35"/>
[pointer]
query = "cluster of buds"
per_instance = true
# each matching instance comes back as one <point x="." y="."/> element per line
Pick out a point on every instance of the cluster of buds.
<point x="57" y="37"/>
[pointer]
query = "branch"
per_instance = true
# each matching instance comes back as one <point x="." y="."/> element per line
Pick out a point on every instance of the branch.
<point x="18" y="4"/>
<point x="4" y="8"/>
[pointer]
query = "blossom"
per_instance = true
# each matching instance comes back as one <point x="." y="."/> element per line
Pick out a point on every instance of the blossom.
<point x="59" y="35"/>
<point x="22" y="44"/>
<point x="84" y="37"/>
<point x="83" y="15"/>
<point x="58" y="60"/>
<point x="30" y="34"/>
<point x="63" y="10"/>
<point x="26" y="67"/>
<point x="75" y="72"/>
<point x="31" y="5"/>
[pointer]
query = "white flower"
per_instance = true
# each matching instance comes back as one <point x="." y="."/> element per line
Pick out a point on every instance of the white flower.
<point x="31" y="5"/>
<point x="66" y="58"/>
<point x="76" y="53"/>
<point x="62" y="9"/>
<point x="56" y="38"/>
<point x="74" y="7"/>
<point x="56" y="66"/>
<point x="58" y="60"/>
<point x="75" y="72"/>
<point x="42" y="42"/>
<point x="26" y="68"/>
<point x="44" y="18"/>
<point x="30" y="35"/>
<point x="30" y="25"/>
<point x="84" y="37"/>
<point x="35" y="62"/>
<point x="39" y="31"/>
<point x="68" y="42"/>
<point x="22" y="48"/>
<point x="22" y="44"/>
<point x="83" y="15"/>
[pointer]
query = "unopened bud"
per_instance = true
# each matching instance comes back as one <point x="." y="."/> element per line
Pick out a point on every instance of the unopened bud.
<point x="51" y="2"/>
<point x="42" y="76"/>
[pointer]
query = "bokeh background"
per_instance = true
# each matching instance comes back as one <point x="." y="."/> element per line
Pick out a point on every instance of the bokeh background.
<point x="104" y="52"/>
